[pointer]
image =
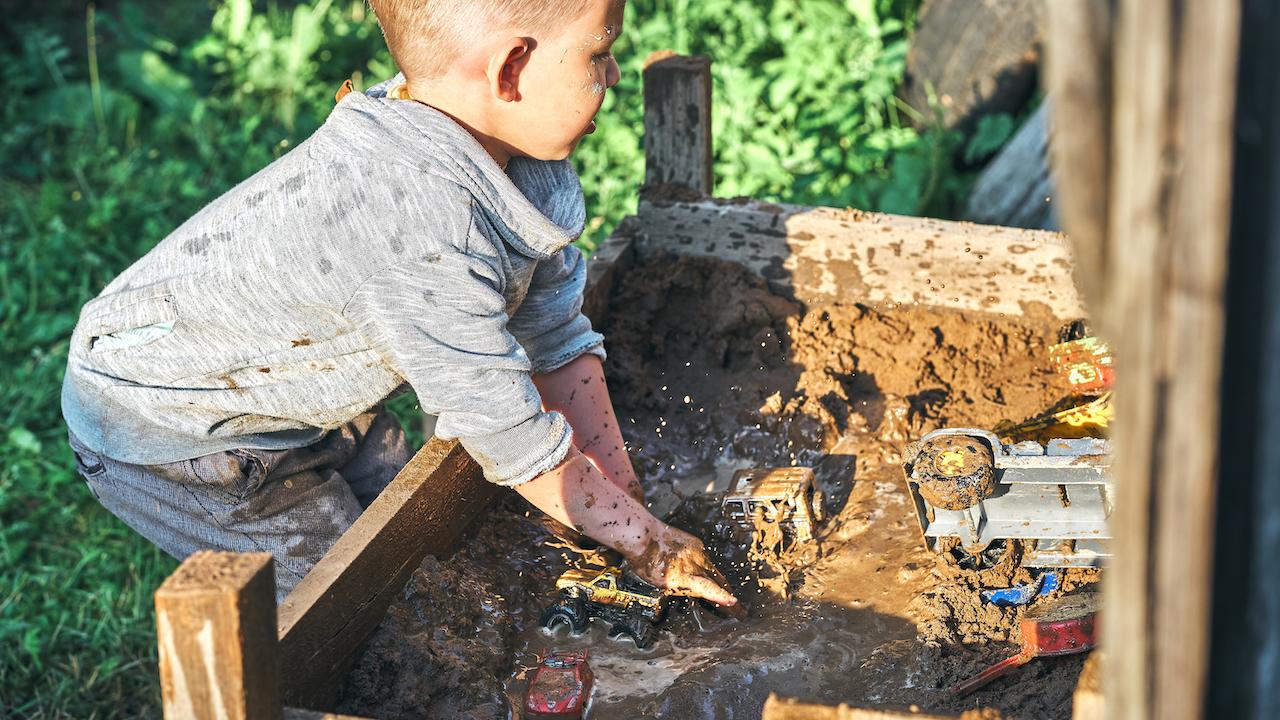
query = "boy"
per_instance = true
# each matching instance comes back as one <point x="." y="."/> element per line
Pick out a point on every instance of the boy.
<point x="225" y="391"/>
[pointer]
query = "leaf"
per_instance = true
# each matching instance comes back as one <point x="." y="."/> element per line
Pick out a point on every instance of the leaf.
<point x="865" y="12"/>
<point x="151" y="77"/>
<point x="24" y="440"/>
<point x="240" y="12"/>
<point x="991" y="134"/>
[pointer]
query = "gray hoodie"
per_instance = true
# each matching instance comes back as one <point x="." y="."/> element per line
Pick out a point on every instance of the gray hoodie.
<point x="388" y="248"/>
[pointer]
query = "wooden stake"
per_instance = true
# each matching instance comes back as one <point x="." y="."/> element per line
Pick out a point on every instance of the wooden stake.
<point x="327" y="618"/>
<point x="677" y="121"/>
<point x="215" y="619"/>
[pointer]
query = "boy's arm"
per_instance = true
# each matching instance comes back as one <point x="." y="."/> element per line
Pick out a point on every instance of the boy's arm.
<point x="549" y="323"/>
<point x="578" y="495"/>
<point x="579" y="392"/>
<point x="441" y="322"/>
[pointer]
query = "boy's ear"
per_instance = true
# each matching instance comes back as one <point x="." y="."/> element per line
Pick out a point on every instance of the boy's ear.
<point x="507" y="66"/>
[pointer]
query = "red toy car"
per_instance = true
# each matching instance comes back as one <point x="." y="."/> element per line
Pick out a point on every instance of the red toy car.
<point x="560" y="688"/>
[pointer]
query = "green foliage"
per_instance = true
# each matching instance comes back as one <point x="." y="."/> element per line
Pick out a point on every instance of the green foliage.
<point x="108" y="147"/>
<point x="992" y="133"/>
<point x="804" y="107"/>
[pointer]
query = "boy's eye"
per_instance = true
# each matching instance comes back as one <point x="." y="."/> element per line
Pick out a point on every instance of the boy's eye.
<point x="601" y="56"/>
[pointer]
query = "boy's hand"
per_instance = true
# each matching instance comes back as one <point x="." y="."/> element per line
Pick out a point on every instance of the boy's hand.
<point x="677" y="561"/>
<point x="577" y="495"/>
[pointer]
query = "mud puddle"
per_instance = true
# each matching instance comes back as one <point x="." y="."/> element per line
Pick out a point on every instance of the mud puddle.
<point x="710" y="372"/>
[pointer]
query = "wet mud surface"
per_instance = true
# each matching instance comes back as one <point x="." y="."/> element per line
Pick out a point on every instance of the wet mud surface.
<point x="710" y="372"/>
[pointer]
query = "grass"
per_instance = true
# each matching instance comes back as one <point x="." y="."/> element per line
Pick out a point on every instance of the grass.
<point x="120" y="125"/>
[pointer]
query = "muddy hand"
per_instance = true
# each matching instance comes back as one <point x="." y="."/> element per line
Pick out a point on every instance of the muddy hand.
<point x="678" y="562"/>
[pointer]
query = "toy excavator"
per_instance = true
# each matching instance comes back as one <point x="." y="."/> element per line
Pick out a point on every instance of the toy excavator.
<point x="1036" y="493"/>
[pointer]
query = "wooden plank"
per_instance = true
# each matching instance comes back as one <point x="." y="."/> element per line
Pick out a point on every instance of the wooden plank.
<point x="1088" y="702"/>
<point x="215" y="622"/>
<point x="819" y="255"/>
<point x="326" y="619"/>
<point x="1244" y="679"/>
<point x="779" y="708"/>
<point x="677" y="121"/>
<point x="1159" y="268"/>
<point x="612" y="257"/>
<point x="1078" y="77"/>
<point x="1198" y="216"/>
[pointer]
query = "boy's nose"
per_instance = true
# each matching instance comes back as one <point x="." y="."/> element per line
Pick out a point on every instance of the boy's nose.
<point x="612" y="74"/>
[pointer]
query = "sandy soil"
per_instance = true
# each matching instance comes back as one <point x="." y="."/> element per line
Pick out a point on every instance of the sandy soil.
<point x="711" y="372"/>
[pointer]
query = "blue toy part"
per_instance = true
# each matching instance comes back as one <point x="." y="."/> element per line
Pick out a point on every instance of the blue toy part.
<point x="1044" y="584"/>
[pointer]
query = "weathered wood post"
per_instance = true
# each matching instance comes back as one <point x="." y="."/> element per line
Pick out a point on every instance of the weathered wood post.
<point x="216" y="623"/>
<point x="677" y="121"/>
<point x="1148" y="204"/>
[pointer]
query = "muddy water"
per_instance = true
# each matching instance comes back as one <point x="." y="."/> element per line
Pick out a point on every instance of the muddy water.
<point x="711" y="372"/>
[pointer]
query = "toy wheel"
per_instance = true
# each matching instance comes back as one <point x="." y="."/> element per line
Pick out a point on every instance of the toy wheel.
<point x="955" y="472"/>
<point x="816" y="506"/>
<point x="637" y="627"/>
<point x="567" y="611"/>
<point x="1074" y="330"/>
<point x="995" y="564"/>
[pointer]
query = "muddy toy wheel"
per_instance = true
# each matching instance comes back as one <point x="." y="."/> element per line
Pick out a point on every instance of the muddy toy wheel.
<point x="566" y="611"/>
<point x="638" y="628"/>
<point x="817" y="506"/>
<point x="993" y="565"/>
<point x="955" y="472"/>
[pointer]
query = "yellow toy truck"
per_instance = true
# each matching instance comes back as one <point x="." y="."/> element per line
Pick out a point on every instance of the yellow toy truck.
<point x="631" y="605"/>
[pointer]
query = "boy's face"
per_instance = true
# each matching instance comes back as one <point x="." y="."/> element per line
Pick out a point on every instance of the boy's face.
<point x="562" y="84"/>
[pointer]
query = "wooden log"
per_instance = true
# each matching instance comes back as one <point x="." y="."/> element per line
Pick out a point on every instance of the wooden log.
<point x="1016" y="188"/>
<point x="820" y="255"/>
<point x="215" y="622"/>
<point x="325" y="621"/>
<point x="976" y="58"/>
<point x="677" y="122"/>
<point x="779" y="708"/>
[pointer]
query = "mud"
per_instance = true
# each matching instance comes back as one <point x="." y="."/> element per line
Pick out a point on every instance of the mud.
<point x="711" y="372"/>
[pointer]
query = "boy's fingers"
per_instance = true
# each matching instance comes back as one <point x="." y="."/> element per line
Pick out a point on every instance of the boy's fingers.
<point x="707" y="589"/>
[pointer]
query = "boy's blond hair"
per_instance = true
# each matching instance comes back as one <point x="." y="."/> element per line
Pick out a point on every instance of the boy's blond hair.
<point x="426" y="36"/>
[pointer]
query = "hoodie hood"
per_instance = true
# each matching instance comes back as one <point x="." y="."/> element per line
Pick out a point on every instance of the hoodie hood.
<point x="536" y="206"/>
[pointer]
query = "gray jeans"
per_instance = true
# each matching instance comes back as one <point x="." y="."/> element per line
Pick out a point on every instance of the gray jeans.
<point x="293" y="504"/>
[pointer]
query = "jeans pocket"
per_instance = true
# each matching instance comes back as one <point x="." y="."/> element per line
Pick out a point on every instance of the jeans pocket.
<point x="233" y="475"/>
<point x="88" y="463"/>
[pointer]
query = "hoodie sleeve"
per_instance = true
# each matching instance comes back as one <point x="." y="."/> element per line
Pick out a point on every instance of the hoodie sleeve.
<point x="440" y="320"/>
<point x="549" y="323"/>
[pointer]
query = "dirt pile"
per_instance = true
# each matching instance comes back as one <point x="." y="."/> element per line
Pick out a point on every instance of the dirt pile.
<point x="711" y="372"/>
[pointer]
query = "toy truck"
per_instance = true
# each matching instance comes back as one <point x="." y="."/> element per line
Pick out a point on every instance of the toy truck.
<point x="982" y="502"/>
<point x="787" y="496"/>
<point x="631" y="605"/>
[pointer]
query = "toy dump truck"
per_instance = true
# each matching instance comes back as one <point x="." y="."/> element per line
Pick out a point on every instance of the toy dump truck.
<point x="631" y="605"/>
<point x="786" y="496"/>
<point x="980" y="501"/>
